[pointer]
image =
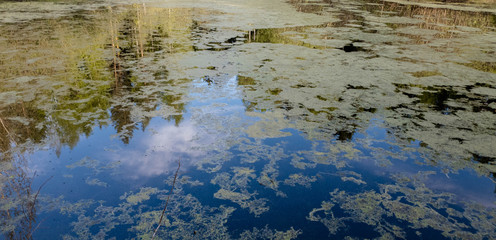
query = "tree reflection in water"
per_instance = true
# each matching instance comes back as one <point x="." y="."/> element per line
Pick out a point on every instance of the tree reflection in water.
<point x="18" y="201"/>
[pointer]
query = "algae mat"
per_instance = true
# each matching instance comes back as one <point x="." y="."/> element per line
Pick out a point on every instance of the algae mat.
<point x="290" y="120"/>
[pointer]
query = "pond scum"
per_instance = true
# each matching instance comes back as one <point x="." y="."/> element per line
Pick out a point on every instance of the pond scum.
<point x="284" y="134"/>
<point x="410" y="203"/>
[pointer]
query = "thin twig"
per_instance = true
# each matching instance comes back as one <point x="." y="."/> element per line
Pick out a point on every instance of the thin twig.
<point x="34" y="204"/>
<point x="37" y="226"/>
<point x="39" y="189"/>
<point x="167" y="202"/>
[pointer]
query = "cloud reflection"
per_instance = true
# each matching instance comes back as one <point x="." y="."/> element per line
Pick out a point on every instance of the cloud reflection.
<point x="158" y="153"/>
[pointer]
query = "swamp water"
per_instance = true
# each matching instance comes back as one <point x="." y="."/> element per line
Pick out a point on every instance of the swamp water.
<point x="290" y="120"/>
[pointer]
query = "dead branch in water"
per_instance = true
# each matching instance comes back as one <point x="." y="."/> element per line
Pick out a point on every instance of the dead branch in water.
<point x="167" y="202"/>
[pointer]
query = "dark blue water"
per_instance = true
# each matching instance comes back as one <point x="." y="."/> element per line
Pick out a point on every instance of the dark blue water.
<point x="101" y="169"/>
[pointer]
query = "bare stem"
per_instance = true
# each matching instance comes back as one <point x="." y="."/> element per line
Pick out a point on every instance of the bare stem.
<point x="33" y="207"/>
<point x="167" y="202"/>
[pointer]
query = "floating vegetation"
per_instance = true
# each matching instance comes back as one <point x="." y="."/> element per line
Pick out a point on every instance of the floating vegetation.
<point x="270" y="106"/>
<point x="266" y="233"/>
<point x="96" y="182"/>
<point x="85" y="162"/>
<point x="243" y="81"/>
<point x="421" y="74"/>
<point x="142" y="195"/>
<point x="482" y="66"/>
<point x="351" y="176"/>
<point x="235" y="188"/>
<point x="185" y="217"/>
<point x="298" y="179"/>
<point x="275" y="91"/>
<point x="413" y="206"/>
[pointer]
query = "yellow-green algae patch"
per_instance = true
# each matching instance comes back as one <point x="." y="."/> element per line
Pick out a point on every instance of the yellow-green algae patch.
<point x="235" y="188"/>
<point x="421" y="74"/>
<point x="352" y="179"/>
<point x="267" y="233"/>
<point x="412" y="205"/>
<point x="313" y="111"/>
<point x="186" y="218"/>
<point x="299" y="179"/>
<point x="230" y="195"/>
<point x="143" y="195"/>
<point x="96" y="182"/>
<point x="482" y="66"/>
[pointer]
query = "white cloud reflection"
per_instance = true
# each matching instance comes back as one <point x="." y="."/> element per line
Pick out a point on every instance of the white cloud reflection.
<point x="158" y="152"/>
<point x="213" y="121"/>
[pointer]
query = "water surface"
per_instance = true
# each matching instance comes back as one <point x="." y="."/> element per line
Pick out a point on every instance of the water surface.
<point x="290" y="120"/>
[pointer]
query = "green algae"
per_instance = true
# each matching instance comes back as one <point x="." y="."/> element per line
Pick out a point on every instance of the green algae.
<point x="67" y="208"/>
<point x="352" y="179"/>
<point x="275" y="91"/>
<point x="267" y="233"/>
<point x="244" y="81"/>
<point x="482" y="66"/>
<point x="96" y="182"/>
<point x="300" y="162"/>
<point x="142" y="195"/>
<point x="421" y="74"/>
<point x="90" y="62"/>
<point x="408" y="201"/>
<point x="341" y="107"/>
<point x="85" y="162"/>
<point x="185" y="216"/>
<point x="299" y="179"/>
<point x="235" y="188"/>
<point x="230" y="195"/>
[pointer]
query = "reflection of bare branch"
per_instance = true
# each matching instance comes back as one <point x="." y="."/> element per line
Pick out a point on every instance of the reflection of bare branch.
<point x="168" y="197"/>
<point x="39" y="189"/>
<point x="113" y="37"/>
<point x="33" y="209"/>
<point x="18" y="204"/>
<point x="8" y="133"/>
<point x="37" y="226"/>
